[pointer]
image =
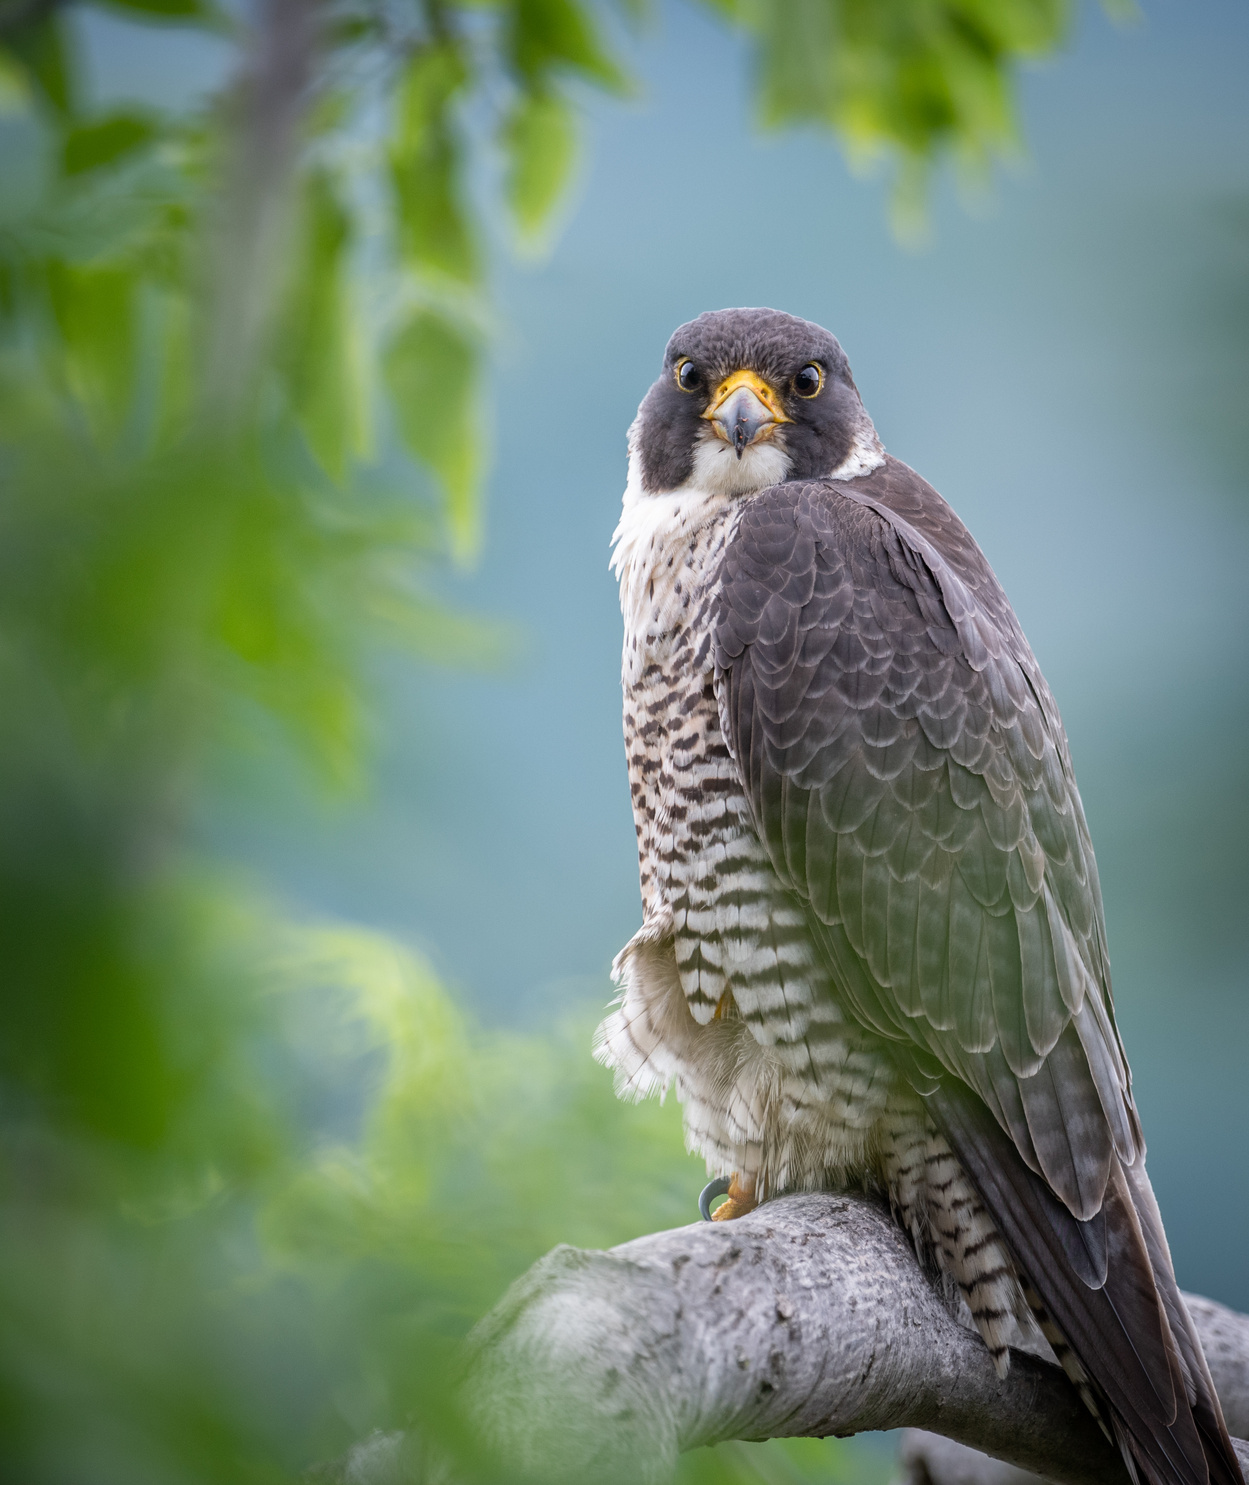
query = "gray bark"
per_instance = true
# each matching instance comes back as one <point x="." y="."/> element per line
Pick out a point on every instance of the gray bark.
<point x="269" y="105"/>
<point x="810" y="1316"/>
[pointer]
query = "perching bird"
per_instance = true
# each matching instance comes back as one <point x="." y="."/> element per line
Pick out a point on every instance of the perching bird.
<point x="873" y="950"/>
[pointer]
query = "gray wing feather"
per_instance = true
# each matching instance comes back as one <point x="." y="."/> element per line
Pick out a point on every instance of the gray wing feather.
<point x="908" y="771"/>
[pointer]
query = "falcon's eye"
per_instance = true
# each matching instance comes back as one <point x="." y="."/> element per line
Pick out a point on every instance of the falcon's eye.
<point x="809" y="381"/>
<point x="689" y="378"/>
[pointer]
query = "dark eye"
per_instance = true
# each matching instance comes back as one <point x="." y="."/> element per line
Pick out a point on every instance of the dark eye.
<point x="809" y="381"/>
<point x="689" y="378"/>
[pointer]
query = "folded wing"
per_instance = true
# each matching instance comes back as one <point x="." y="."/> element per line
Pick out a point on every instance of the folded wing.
<point x="909" y="775"/>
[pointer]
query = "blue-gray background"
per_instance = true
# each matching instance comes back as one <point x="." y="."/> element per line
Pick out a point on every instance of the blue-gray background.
<point x="1067" y="361"/>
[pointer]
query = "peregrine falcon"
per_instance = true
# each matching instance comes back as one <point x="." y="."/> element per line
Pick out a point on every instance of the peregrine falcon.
<point x="873" y="952"/>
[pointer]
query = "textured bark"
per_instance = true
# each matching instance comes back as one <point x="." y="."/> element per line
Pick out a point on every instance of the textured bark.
<point x="810" y="1316"/>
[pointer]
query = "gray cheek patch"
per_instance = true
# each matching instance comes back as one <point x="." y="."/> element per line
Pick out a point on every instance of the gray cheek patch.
<point x="668" y="427"/>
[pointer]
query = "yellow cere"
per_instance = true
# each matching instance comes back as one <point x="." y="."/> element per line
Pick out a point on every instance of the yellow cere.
<point x="762" y="390"/>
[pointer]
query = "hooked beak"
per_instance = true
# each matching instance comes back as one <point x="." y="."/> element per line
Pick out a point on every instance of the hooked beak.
<point x="744" y="410"/>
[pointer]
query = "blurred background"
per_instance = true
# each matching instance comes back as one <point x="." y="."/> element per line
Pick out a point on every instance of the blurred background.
<point x="321" y="325"/>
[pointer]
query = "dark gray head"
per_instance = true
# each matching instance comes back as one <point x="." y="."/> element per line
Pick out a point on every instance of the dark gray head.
<point x="749" y="398"/>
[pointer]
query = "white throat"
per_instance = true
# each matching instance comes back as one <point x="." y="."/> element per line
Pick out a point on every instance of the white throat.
<point x="719" y="469"/>
<point x="653" y="526"/>
<point x="650" y="546"/>
<point x="644" y="516"/>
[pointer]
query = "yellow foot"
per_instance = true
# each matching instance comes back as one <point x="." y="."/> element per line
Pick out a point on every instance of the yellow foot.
<point x="741" y="1200"/>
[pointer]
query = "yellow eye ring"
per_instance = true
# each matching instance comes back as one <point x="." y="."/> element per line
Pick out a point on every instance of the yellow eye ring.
<point x="686" y="375"/>
<point x="803" y="381"/>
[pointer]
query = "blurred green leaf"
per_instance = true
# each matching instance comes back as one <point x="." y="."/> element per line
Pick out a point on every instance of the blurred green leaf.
<point x="546" y="36"/>
<point x="898" y="75"/>
<point x="314" y="347"/>
<point x="782" y="1462"/>
<point x="426" y="164"/>
<point x="431" y="373"/>
<point x="347" y="30"/>
<point x="15" y="90"/>
<point x="42" y="45"/>
<point x="170" y="10"/>
<point x="105" y="141"/>
<point x="540" y="138"/>
<point x="132" y="213"/>
<point x="95" y="312"/>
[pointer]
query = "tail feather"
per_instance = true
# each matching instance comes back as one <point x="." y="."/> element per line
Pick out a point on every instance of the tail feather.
<point x="1109" y="1287"/>
<point x="1199" y="1383"/>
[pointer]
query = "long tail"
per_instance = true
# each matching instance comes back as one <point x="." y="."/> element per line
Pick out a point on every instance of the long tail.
<point x="1109" y="1287"/>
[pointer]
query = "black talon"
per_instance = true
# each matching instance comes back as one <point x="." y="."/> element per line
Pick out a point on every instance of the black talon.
<point x="718" y="1187"/>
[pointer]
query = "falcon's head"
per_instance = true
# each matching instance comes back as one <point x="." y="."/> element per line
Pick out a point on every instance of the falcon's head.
<point x="749" y="398"/>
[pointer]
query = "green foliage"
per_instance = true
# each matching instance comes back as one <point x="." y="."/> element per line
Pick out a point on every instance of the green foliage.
<point x="40" y="45"/>
<point x="907" y="78"/>
<point x="784" y="1462"/>
<point x="427" y="163"/>
<point x="104" y="141"/>
<point x="168" y="10"/>
<point x="315" y="346"/>
<point x="546" y="37"/>
<point x="540" y="139"/>
<point x="349" y="1173"/>
<point x="260" y="1177"/>
<point x="431" y="371"/>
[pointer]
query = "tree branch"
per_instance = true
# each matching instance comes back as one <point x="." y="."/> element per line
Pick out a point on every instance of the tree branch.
<point x="270" y="102"/>
<point x="810" y="1316"/>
